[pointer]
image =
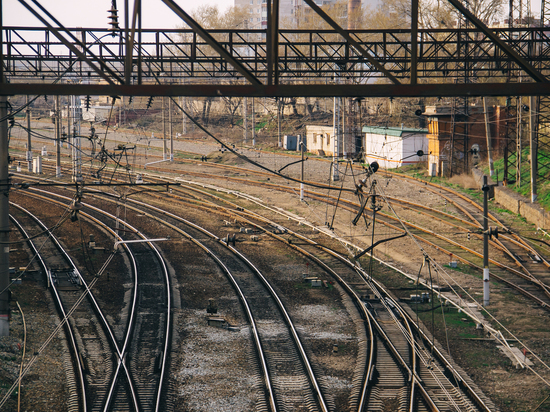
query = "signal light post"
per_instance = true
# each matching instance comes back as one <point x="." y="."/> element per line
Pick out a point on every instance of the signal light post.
<point x="486" y="234"/>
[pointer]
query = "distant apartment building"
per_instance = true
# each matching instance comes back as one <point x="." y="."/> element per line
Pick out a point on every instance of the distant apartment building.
<point x="289" y="10"/>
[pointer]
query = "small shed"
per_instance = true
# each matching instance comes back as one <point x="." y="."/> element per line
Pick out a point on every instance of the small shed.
<point x="320" y="139"/>
<point x="393" y="147"/>
<point x="290" y="142"/>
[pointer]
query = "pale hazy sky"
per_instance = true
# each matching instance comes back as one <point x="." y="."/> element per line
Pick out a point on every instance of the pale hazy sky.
<point x="93" y="13"/>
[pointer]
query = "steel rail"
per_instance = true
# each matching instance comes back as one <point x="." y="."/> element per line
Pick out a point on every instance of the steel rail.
<point x="520" y="274"/>
<point x="167" y="332"/>
<point x="499" y="278"/>
<point x="441" y="357"/>
<point x="114" y="343"/>
<point x="380" y="289"/>
<point x="273" y="293"/>
<point x="413" y="375"/>
<point x="349" y="263"/>
<point x="369" y="317"/>
<point x="131" y="321"/>
<point x="59" y="303"/>
<point x="286" y="316"/>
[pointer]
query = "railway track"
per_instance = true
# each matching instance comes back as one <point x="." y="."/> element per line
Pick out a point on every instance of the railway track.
<point x="404" y="359"/>
<point x="515" y="262"/>
<point x="466" y="225"/>
<point x="438" y="391"/>
<point x="294" y="382"/>
<point x="136" y="378"/>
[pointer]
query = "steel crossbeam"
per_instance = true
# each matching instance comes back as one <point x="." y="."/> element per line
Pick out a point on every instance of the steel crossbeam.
<point x="306" y="58"/>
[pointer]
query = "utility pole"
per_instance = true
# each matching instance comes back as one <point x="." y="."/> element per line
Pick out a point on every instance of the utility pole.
<point x="245" y="118"/>
<point x="164" y="149"/>
<point x="488" y="134"/>
<point x="336" y="138"/>
<point x="29" y="147"/>
<point x="4" y="220"/>
<point x="77" y="143"/>
<point x="170" y="129"/>
<point x="253" y="125"/>
<point x="279" y="141"/>
<point x="485" y="189"/>
<point x="534" y="147"/>
<point x="519" y="145"/>
<point x="302" y="182"/>
<point x="57" y="117"/>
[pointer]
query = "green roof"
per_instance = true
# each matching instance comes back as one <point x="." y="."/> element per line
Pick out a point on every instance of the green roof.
<point x="392" y="131"/>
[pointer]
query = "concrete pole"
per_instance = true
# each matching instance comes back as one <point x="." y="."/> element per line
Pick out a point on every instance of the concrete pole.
<point x="253" y="124"/>
<point x="301" y="138"/>
<point x="29" y="145"/>
<point x="336" y="136"/>
<point x="77" y="142"/>
<point x="488" y="134"/>
<point x="519" y="146"/>
<point x="280" y="142"/>
<point x="170" y="128"/>
<point x="534" y="147"/>
<point x="343" y="114"/>
<point x="184" y="117"/>
<point x="164" y="148"/>
<point x="4" y="221"/>
<point x="57" y="117"/>
<point x="245" y="118"/>
<point x="485" y="189"/>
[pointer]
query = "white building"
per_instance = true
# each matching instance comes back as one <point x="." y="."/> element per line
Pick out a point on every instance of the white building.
<point x="320" y="140"/>
<point x="393" y="147"/>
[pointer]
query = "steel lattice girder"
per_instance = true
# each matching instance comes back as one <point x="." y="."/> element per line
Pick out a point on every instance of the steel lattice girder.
<point x="308" y="59"/>
<point x="293" y="90"/>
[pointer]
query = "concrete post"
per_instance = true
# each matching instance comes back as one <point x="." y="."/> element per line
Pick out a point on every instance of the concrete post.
<point x="302" y="147"/>
<point x="253" y="124"/>
<point x="245" y="119"/>
<point x="488" y="134"/>
<point x="485" y="189"/>
<point x="336" y="138"/>
<point x="534" y="147"/>
<point x="57" y="128"/>
<point x="279" y="140"/>
<point x="29" y="143"/>
<point x="170" y="128"/>
<point x="4" y="221"/>
<point x="164" y="148"/>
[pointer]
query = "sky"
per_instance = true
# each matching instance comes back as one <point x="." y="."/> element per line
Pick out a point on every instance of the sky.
<point x="93" y="13"/>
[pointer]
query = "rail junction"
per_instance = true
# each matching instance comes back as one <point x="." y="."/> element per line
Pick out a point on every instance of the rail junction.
<point x="140" y="317"/>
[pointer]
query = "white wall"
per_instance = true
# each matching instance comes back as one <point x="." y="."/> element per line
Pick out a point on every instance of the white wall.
<point x="393" y="151"/>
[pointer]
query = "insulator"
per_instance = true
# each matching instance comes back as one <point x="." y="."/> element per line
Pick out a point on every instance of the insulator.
<point x="113" y="17"/>
<point x="87" y="102"/>
<point x="150" y="102"/>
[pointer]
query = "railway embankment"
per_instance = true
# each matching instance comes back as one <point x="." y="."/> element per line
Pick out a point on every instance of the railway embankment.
<point x="516" y="203"/>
